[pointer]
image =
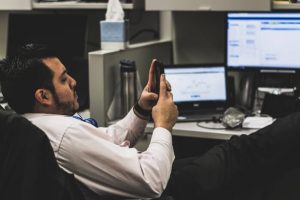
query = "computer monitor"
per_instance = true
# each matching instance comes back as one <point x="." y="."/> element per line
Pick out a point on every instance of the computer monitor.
<point x="263" y="40"/>
<point x="199" y="90"/>
<point x="198" y="86"/>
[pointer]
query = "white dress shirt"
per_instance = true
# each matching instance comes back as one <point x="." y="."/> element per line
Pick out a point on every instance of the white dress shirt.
<point x="101" y="158"/>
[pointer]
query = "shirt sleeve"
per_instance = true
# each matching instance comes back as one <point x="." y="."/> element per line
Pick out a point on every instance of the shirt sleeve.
<point x="112" y="170"/>
<point x="127" y="131"/>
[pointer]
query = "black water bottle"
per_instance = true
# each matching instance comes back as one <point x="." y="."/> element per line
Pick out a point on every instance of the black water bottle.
<point x="128" y="85"/>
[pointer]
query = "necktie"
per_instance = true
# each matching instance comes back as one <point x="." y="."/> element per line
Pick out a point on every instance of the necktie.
<point x="87" y="120"/>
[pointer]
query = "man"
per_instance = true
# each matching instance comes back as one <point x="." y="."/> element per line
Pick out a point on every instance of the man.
<point x="36" y="84"/>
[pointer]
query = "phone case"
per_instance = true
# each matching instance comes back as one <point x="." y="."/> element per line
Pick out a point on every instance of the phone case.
<point x="158" y="70"/>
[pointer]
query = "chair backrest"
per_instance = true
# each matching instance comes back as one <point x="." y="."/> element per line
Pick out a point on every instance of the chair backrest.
<point x="28" y="168"/>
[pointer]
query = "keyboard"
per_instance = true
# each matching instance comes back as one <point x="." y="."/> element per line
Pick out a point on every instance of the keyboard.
<point x="200" y="116"/>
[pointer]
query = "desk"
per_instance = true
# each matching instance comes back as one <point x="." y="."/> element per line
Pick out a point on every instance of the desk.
<point x="190" y="129"/>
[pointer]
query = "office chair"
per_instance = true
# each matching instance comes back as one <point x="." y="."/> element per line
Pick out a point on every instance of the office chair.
<point x="28" y="168"/>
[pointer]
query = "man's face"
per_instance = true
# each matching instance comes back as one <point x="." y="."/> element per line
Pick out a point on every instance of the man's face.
<point x="65" y="97"/>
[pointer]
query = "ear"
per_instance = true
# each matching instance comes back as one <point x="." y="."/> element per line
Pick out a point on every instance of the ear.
<point x="43" y="96"/>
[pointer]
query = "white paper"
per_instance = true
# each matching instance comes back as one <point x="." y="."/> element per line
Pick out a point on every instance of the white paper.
<point x="257" y="122"/>
<point x="114" y="11"/>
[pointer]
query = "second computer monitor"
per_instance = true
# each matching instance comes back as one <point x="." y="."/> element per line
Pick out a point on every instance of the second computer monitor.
<point x="269" y="40"/>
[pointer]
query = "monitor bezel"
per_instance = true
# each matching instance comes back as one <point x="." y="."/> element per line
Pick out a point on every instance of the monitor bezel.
<point x="261" y="69"/>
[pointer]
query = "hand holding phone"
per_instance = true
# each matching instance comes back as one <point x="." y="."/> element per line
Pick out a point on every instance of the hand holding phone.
<point x="158" y="70"/>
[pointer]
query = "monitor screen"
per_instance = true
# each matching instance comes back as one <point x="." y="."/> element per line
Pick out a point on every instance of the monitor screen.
<point x="197" y="83"/>
<point x="269" y="40"/>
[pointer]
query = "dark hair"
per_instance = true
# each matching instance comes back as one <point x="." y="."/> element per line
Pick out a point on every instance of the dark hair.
<point x="23" y="73"/>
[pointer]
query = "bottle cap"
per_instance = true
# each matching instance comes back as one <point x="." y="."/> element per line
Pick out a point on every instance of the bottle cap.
<point x="127" y="66"/>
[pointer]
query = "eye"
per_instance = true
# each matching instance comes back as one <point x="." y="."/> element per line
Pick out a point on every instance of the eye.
<point x="63" y="79"/>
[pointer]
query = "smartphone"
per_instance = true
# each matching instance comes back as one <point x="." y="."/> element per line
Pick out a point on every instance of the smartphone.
<point x="158" y="70"/>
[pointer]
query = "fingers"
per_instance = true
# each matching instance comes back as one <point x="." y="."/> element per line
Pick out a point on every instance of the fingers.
<point x="169" y="88"/>
<point x="151" y="96"/>
<point x="151" y="73"/>
<point x="165" y="88"/>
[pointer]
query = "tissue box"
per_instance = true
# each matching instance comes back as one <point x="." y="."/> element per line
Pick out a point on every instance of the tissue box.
<point x="114" y="34"/>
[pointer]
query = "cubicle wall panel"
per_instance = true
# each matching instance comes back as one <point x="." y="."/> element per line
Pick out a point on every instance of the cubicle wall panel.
<point x="199" y="37"/>
<point x="4" y="33"/>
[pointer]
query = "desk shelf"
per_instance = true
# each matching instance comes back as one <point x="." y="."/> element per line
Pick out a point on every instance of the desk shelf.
<point x="208" y="5"/>
<point x="83" y="5"/>
<point x="285" y="5"/>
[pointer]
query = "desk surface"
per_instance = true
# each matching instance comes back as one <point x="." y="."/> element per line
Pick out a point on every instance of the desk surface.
<point x="190" y="129"/>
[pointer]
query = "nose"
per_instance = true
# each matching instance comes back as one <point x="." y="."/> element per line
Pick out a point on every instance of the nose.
<point x="73" y="82"/>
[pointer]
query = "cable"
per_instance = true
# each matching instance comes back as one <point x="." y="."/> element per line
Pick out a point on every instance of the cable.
<point x="211" y="125"/>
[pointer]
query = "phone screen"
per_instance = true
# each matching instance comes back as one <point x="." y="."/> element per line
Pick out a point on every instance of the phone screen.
<point x="158" y="70"/>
